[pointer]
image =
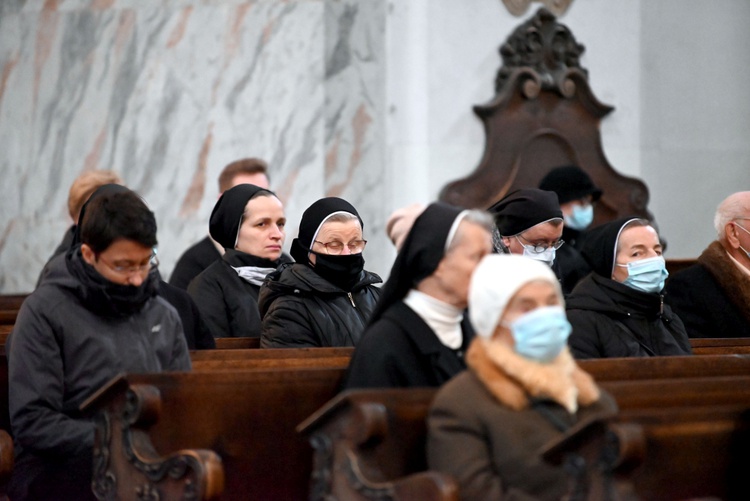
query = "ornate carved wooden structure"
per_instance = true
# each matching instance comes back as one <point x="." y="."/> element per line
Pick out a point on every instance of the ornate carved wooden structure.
<point x="544" y="115"/>
<point x="370" y="444"/>
<point x="126" y="464"/>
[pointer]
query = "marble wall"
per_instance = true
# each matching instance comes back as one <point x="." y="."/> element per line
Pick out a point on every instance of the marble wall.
<point x="168" y="92"/>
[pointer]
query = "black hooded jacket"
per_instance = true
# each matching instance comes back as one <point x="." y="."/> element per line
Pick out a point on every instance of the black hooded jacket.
<point x="610" y="319"/>
<point x="301" y="309"/>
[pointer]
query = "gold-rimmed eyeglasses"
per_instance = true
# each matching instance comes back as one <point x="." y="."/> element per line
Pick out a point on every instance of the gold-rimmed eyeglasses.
<point x="335" y="247"/>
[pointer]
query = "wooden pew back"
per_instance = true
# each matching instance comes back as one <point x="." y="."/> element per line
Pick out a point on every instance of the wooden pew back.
<point x="629" y="369"/>
<point x="247" y="417"/>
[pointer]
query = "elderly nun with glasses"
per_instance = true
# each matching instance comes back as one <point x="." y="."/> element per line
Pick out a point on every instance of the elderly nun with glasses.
<point x="529" y="222"/>
<point x="326" y="297"/>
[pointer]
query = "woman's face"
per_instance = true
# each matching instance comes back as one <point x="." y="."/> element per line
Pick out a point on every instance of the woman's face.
<point x="636" y="243"/>
<point x="262" y="229"/>
<point x="344" y="232"/>
<point x="533" y="295"/>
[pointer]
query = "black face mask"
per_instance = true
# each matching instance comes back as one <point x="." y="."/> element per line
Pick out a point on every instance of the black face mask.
<point x="343" y="271"/>
<point x="108" y="298"/>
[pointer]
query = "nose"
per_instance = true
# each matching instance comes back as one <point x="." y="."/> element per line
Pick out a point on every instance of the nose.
<point x="346" y="250"/>
<point x="135" y="279"/>
<point x="277" y="233"/>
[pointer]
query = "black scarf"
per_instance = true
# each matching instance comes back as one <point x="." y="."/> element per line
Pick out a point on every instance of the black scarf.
<point x="420" y="254"/>
<point x="107" y="298"/>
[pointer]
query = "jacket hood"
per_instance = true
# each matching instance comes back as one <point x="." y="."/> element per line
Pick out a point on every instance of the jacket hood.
<point x="57" y="274"/>
<point x="300" y="279"/>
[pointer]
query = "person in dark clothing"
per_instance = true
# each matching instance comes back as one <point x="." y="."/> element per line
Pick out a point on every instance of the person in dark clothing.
<point x="248" y="221"/>
<point x="577" y="195"/>
<point x="529" y="222"/>
<point x="618" y="310"/>
<point x="326" y="297"/>
<point x="196" y="331"/>
<point x="712" y="297"/>
<point x="522" y="388"/>
<point x="95" y="314"/>
<point x="418" y="333"/>
<point x="203" y="254"/>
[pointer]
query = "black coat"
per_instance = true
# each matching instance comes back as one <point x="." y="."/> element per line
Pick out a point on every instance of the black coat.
<point x="400" y="350"/>
<point x="197" y="334"/>
<point x="712" y="297"/>
<point x="228" y="303"/>
<point x="610" y="319"/>
<point x="301" y="309"/>
<point x="570" y="266"/>
<point x="193" y="261"/>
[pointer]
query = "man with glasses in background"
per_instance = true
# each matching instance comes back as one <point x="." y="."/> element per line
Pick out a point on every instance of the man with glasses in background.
<point x="326" y="297"/>
<point x="96" y="314"/>
<point x="712" y="297"/>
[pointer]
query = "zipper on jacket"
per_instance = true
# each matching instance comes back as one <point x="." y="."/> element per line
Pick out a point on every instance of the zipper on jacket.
<point x="351" y="299"/>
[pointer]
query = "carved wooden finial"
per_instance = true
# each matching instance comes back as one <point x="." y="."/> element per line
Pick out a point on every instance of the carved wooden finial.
<point x="543" y="44"/>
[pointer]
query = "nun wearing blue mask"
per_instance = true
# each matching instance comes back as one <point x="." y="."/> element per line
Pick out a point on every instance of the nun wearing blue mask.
<point x="618" y="310"/>
<point x="522" y="388"/>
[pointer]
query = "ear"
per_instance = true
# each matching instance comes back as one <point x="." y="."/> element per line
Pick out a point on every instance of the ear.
<point x="88" y="254"/>
<point x="730" y="231"/>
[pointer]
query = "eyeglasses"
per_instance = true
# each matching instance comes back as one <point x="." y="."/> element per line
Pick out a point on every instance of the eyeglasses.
<point x="539" y="248"/>
<point x="336" y="247"/>
<point x="153" y="262"/>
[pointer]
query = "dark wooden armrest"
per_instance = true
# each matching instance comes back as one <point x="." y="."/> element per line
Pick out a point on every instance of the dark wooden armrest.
<point x="126" y="464"/>
<point x="426" y="486"/>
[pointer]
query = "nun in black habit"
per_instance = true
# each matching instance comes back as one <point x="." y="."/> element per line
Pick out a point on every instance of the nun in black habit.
<point x="415" y="339"/>
<point x="618" y="310"/>
<point x="248" y="221"/>
<point x="324" y="299"/>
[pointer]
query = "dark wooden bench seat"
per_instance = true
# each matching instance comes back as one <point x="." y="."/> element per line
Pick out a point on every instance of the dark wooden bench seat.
<point x="367" y="441"/>
<point x="271" y="358"/>
<point x="720" y="346"/>
<point x="628" y="369"/>
<point x="247" y="417"/>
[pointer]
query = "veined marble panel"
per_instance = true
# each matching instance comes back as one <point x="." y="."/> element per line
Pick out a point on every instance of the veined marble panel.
<point x="168" y="92"/>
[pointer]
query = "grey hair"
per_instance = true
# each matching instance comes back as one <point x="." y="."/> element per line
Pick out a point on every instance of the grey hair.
<point x="475" y="216"/>
<point x="735" y="206"/>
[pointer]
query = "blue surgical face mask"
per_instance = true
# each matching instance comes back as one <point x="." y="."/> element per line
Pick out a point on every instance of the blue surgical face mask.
<point x="545" y="256"/>
<point x="647" y="275"/>
<point x="540" y="335"/>
<point x="580" y="218"/>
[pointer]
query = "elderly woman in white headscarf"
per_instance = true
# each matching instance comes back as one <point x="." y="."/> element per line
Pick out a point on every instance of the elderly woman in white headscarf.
<point x="522" y="389"/>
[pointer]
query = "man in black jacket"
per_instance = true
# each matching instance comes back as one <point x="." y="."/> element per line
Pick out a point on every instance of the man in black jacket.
<point x="712" y="297"/>
<point x="95" y="314"/>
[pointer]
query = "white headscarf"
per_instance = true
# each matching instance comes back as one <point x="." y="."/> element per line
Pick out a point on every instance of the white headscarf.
<point x="495" y="281"/>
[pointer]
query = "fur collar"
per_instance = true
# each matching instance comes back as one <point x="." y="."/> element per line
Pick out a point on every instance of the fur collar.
<point x="512" y="379"/>
<point x="733" y="281"/>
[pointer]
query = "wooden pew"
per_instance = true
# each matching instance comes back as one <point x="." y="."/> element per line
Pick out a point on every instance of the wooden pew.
<point x="629" y="369"/>
<point x="9" y="306"/>
<point x="237" y="343"/>
<point x="247" y="417"/>
<point x="370" y="444"/>
<point x="720" y="346"/>
<point x="695" y="433"/>
<point x="270" y="358"/>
